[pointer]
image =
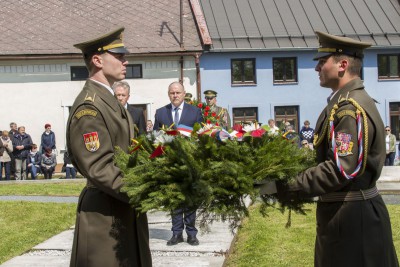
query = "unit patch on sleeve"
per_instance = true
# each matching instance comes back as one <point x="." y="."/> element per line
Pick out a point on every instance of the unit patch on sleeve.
<point x="344" y="144"/>
<point x="86" y="112"/>
<point x="343" y="113"/>
<point x="92" y="141"/>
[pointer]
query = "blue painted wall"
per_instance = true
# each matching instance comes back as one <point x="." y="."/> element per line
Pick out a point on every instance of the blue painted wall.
<point x="307" y="94"/>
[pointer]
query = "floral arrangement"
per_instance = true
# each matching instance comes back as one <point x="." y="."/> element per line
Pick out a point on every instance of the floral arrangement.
<point x="209" y="169"/>
<point x="209" y="117"/>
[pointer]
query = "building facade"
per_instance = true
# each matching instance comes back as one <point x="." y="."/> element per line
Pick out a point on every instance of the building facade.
<point x="261" y="58"/>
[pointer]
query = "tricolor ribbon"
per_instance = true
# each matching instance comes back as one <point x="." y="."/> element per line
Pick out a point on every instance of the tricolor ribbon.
<point x="360" y="148"/>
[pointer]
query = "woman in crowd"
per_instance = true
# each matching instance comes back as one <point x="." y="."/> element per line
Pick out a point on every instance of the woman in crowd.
<point x="48" y="139"/>
<point x="6" y="148"/>
<point x="48" y="163"/>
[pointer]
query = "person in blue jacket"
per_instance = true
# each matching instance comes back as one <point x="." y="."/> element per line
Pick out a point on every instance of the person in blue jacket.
<point x="48" y="139"/>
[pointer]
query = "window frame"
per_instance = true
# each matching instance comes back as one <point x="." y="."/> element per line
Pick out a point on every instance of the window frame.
<point x="72" y="68"/>
<point x="394" y="118"/>
<point x="387" y="76"/>
<point x="243" y="82"/>
<point x="135" y="65"/>
<point x="284" y="80"/>
<point x="294" y="118"/>
<point x="236" y="119"/>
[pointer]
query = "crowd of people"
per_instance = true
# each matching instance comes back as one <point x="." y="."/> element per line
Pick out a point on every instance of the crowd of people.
<point x="21" y="158"/>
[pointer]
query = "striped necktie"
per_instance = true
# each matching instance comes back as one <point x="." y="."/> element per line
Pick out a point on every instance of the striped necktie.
<point x="176" y="117"/>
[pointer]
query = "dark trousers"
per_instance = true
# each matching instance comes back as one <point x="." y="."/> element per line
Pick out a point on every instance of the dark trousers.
<point x="48" y="173"/>
<point x="70" y="172"/>
<point x="389" y="161"/>
<point x="33" y="170"/>
<point x="12" y="164"/>
<point x="182" y="218"/>
<point x="7" y="168"/>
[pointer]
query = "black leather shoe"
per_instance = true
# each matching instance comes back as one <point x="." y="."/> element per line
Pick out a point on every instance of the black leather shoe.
<point x="192" y="240"/>
<point x="175" y="239"/>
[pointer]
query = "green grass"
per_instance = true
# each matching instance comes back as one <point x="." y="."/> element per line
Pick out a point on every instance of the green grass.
<point x="43" y="189"/>
<point x="26" y="224"/>
<point x="266" y="242"/>
<point x="260" y="241"/>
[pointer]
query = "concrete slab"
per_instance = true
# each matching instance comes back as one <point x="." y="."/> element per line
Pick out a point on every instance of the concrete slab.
<point x="390" y="174"/>
<point x="187" y="261"/>
<point x="217" y="240"/>
<point x="388" y="186"/>
<point x="38" y="261"/>
<point x="158" y="217"/>
<point x="56" y="251"/>
<point x="158" y="261"/>
<point x="62" y="241"/>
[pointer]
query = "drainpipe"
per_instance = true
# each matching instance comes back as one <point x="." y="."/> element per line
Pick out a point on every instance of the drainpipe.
<point x="198" y="82"/>
<point x="181" y="39"/>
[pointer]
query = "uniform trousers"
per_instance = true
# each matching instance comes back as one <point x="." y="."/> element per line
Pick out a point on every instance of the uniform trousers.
<point x="181" y="218"/>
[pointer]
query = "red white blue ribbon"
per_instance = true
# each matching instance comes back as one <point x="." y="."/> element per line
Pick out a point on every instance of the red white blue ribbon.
<point x="360" y="148"/>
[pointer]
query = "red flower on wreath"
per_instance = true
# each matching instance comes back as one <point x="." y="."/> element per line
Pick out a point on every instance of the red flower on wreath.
<point x="258" y="132"/>
<point x="208" y="116"/>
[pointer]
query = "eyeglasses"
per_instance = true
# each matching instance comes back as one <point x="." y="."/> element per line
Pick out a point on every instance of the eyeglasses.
<point x="209" y="97"/>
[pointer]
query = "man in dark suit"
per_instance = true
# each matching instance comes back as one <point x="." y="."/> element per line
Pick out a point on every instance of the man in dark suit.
<point x="179" y="112"/>
<point x="122" y="93"/>
<point x="108" y="231"/>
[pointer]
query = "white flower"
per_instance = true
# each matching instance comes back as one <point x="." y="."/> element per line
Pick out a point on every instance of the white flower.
<point x="162" y="138"/>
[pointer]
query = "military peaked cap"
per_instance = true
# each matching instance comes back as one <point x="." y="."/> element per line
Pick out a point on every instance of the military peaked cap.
<point x="210" y="93"/>
<point x="188" y="96"/>
<point x="331" y="44"/>
<point x="110" y="42"/>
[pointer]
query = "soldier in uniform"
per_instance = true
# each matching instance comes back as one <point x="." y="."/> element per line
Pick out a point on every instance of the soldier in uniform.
<point x="353" y="225"/>
<point x="222" y="113"/>
<point x="188" y="98"/>
<point x="108" y="231"/>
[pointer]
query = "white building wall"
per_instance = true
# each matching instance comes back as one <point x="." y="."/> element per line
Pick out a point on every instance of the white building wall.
<point x="33" y="93"/>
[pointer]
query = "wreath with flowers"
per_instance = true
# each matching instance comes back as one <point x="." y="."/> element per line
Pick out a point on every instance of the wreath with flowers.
<point x="211" y="170"/>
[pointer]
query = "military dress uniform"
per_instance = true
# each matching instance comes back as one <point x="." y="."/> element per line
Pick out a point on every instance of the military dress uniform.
<point x="224" y="119"/>
<point x="353" y="225"/>
<point x="108" y="231"/>
<point x="223" y="114"/>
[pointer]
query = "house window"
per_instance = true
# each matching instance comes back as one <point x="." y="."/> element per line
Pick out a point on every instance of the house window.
<point x="287" y="114"/>
<point x="134" y="71"/>
<point x="389" y="66"/>
<point x="245" y="115"/>
<point x="394" y="109"/>
<point x="243" y="71"/>
<point x="79" y="73"/>
<point x="285" y="70"/>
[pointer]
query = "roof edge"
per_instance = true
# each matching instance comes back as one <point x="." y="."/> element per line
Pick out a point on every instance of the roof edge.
<point x="201" y="22"/>
<point x="79" y="56"/>
<point x="228" y="50"/>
